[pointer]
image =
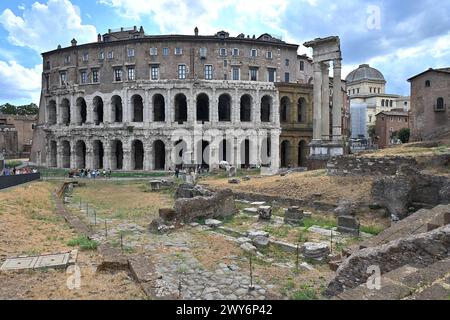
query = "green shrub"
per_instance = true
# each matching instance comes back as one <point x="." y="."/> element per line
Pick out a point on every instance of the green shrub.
<point x="305" y="293"/>
<point x="84" y="243"/>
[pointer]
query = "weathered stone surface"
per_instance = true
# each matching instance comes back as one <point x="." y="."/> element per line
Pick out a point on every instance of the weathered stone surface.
<point x="246" y="178"/>
<point x="234" y="181"/>
<point x="112" y="259"/>
<point x="167" y="214"/>
<point x="251" y="211"/>
<point x="260" y="241"/>
<point x="253" y="233"/>
<point x="219" y="205"/>
<point x="158" y="226"/>
<point x="315" y="251"/>
<point x="248" y="247"/>
<point x="293" y="215"/>
<point x="265" y="212"/>
<point x="419" y="250"/>
<point x="348" y="224"/>
<point x="242" y="240"/>
<point x="345" y="208"/>
<point x="213" y="223"/>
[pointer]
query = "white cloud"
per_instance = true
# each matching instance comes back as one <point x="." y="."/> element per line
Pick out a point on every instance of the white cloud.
<point x="18" y="82"/>
<point x="43" y="26"/>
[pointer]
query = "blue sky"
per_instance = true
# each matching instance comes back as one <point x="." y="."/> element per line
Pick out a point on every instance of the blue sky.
<point x="401" y="38"/>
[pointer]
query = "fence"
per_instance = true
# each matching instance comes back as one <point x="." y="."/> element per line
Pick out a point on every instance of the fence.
<point x="11" y="181"/>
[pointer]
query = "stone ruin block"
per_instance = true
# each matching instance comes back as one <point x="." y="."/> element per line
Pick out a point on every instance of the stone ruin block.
<point x="187" y="190"/>
<point x="348" y="224"/>
<point x="232" y="171"/>
<point x="234" y="181"/>
<point x="316" y="251"/>
<point x="158" y="226"/>
<point x="155" y="185"/>
<point x="218" y="205"/>
<point x="265" y="212"/>
<point x="167" y="214"/>
<point x="294" y="216"/>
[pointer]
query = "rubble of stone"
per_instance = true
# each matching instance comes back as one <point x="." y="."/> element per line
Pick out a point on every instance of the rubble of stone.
<point x="265" y="213"/>
<point x="349" y="225"/>
<point x="345" y="208"/>
<point x="316" y="251"/>
<point x="188" y="190"/>
<point x="234" y="181"/>
<point x="159" y="226"/>
<point x="219" y="205"/>
<point x="409" y="189"/>
<point x="167" y="214"/>
<point x="293" y="216"/>
<point x="405" y="243"/>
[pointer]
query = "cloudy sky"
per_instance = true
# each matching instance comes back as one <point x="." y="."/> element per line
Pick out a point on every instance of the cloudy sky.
<point x="399" y="37"/>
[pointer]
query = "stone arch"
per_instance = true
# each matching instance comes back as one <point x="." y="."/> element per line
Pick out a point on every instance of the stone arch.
<point x="65" y="112"/>
<point x="301" y="110"/>
<point x="81" y="110"/>
<point x="180" y="108"/>
<point x="66" y="154"/>
<point x="53" y="154"/>
<point x="266" y="108"/>
<point x="116" y="155"/>
<point x="180" y="148"/>
<point x="116" y="109"/>
<point x="98" y="110"/>
<point x="224" y="107"/>
<point x="159" y="155"/>
<point x="285" y="109"/>
<point x="203" y="154"/>
<point x="80" y="154"/>
<point x="51" y="112"/>
<point x="99" y="154"/>
<point x="137" y="155"/>
<point x="159" y="108"/>
<point x="246" y="108"/>
<point x="137" y="108"/>
<point x="285" y="154"/>
<point x="303" y="152"/>
<point x="203" y="107"/>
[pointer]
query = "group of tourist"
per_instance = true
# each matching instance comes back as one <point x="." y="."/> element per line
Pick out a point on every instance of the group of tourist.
<point x="12" y="172"/>
<point x="91" y="174"/>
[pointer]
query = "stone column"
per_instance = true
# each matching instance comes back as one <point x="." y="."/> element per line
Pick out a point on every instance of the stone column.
<point x="276" y="110"/>
<point x="325" y="102"/>
<point x="89" y="155"/>
<point x="73" y="155"/>
<point x="236" y="107"/>
<point x="126" y="155"/>
<point x="214" y="153"/>
<point x="59" y="154"/>
<point x="256" y="108"/>
<point x="337" y="101"/>
<point x="73" y="109"/>
<point x="317" y="107"/>
<point x="254" y="158"/>
<point x="148" y="108"/>
<point x="169" y="109"/>
<point x="148" y="155"/>
<point x="237" y="151"/>
<point x="191" y="109"/>
<point x="89" y="112"/>
<point x="275" y="149"/>
<point x="125" y="107"/>
<point x="106" y="154"/>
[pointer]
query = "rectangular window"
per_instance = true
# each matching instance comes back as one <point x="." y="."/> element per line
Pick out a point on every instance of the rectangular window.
<point x="130" y="53"/>
<point x="269" y="55"/>
<point x="235" y="52"/>
<point x="67" y="59"/>
<point x="235" y="73"/>
<point x="155" y="72"/>
<point x="63" y="78"/>
<point x="101" y="55"/>
<point x="153" y="51"/>
<point x="111" y="55"/>
<point x="271" y="73"/>
<point x="203" y="52"/>
<point x="223" y="52"/>
<point x="118" y="75"/>
<point x="253" y="74"/>
<point x="182" y="71"/>
<point x="85" y="57"/>
<point x="254" y="53"/>
<point x="178" y="51"/>
<point x="165" y="51"/>
<point x="84" y="77"/>
<point x="225" y="63"/>
<point x="286" y="77"/>
<point x="208" y="72"/>
<point x="225" y="77"/>
<point x="302" y="65"/>
<point x="286" y="62"/>
<point x="95" y="77"/>
<point x="131" y="74"/>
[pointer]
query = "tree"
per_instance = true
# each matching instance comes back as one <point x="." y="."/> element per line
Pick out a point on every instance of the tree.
<point x="8" y="109"/>
<point x="25" y="110"/>
<point x="404" y="134"/>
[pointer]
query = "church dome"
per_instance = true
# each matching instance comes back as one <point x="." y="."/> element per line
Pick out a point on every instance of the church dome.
<point x="365" y="72"/>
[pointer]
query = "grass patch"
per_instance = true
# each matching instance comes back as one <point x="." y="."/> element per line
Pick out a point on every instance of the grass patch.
<point x="305" y="293"/>
<point x="375" y="230"/>
<point x="281" y="232"/>
<point x="321" y="222"/>
<point x="84" y="243"/>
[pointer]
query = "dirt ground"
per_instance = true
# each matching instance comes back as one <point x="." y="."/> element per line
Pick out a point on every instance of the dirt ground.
<point x="304" y="185"/>
<point x="29" y="225"/>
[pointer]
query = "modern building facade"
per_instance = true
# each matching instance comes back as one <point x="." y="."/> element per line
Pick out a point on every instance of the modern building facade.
<point x="366" y="88"/>
<point x="131" y="101"/>
<point x="430" y="107"/>
<point x="16" y="135"/>
<point x="389" y="123"/>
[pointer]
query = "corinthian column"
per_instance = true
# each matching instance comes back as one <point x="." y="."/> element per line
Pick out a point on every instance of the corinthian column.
<point x="317" y="117"/>
<point x="337" y="101"/>
<point x="325" y="101"/>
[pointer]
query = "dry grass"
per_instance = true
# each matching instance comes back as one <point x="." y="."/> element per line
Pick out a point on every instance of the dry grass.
<point x="123" y="199"/>
<point x="29" y="225"/>
<point x="304" y="185"/>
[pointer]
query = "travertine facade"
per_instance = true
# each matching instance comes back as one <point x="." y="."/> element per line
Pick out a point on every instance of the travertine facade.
<point x="137" y="102"/>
